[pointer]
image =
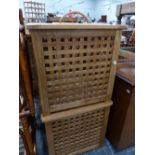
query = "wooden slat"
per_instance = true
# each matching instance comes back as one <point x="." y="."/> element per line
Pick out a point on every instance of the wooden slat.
<point x="105" y="123"/>
<point x="73" y="26"/>
<point x="74" y="65"/>
<point x="41" y="74"/>
<point x="71" y="80"/>
<point x="80" y="102"/>
<point x="72" y="112"/>
<point x="114" y="63"/>
<point x="50" y="141"/>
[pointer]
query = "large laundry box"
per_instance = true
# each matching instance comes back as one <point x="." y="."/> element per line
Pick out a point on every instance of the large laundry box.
<point x="76" y="130"/>
<point x="76" y="63"/>
<point x="76" y="66"/>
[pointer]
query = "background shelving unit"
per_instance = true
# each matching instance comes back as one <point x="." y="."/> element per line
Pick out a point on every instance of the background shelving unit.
<point x="34" y="11"/>
<point x="125" y="9"/>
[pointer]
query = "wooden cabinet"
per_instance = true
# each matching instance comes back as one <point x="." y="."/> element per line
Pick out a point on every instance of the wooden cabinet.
<point x="121" y="126"/>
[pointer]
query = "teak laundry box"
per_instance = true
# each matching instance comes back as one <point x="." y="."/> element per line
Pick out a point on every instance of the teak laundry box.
<point x="76" y="63"/>
<point x="76" y="130"/>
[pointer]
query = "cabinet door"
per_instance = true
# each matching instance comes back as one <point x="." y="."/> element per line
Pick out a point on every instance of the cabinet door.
<point x="121" y="119"/>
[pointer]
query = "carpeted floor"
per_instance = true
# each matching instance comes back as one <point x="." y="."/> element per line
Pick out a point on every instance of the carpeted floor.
<point x="41" y="143"/>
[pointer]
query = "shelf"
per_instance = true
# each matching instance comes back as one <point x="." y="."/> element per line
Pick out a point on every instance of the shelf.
<point x="30" y="2"/>
<point x="29" y="7"/>
<point x="35" y="12"/>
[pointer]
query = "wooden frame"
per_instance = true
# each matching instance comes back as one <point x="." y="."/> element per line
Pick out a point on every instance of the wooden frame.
<point x="26" y="108"/>
<point x="26" y="103"/>
<point x="114" y="63"/>
<point x="26" y="78"/>
<point x="29" y="49"/>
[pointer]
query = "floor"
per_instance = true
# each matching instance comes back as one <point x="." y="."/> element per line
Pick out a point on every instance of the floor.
<point x="41" y="143"/>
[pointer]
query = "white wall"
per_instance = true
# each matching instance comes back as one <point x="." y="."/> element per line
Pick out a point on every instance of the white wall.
<point x="95" y="8"/>
<point x="108" y="7"/>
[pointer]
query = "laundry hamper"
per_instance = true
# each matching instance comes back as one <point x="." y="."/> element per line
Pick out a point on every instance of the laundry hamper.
<point x="75" y="63"/>
<point x="77" y="130"/>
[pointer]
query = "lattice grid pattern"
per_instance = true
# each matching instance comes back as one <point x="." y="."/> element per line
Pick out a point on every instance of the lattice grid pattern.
<point x="34" y="11"/>
<point x="77" y="67"/>
<point x="77" y="132"/>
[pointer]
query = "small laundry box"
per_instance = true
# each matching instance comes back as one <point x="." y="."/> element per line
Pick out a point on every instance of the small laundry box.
<point x="76" y="130"/>
<point x="76" y="63"/>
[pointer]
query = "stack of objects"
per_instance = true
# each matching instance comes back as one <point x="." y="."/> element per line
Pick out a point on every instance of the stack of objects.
<point x="76" y="66"/>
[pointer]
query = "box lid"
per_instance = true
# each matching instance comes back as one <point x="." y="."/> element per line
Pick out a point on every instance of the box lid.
<point x="73" y="26"/>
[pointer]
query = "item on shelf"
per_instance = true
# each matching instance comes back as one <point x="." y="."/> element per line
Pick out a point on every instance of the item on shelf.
<point x="30" y="55"/>
<point x="26" y="103"/>
<point x="126" y="56"/>
<point x="103" y="19"/>
<point x="130" y="40"/>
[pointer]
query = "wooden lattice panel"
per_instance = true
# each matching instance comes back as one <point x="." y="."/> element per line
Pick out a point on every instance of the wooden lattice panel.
<point x="75" y="66"/>
<point x="77" y="133"/>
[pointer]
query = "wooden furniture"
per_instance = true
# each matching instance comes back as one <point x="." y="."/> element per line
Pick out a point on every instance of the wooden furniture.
<point x="77" y="130"/>
<point x="76" y="66"/>
<point x="126" y="56"/>
<point x="74" y="63"/>
<point x="122" y="10"/>
<point x="26" y="78"/>
<point x="34" y="11"/>
<point x="130" y="36"/>
<point x="33" y="72"/>
<point x="121" y="125"/>
<point x="26" y="104"/>
<point x="26" y="115"/>
<point x="125" y="9"/>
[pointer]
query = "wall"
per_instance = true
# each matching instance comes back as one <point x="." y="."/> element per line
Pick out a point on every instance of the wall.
<point x="96" y="8"/>
<point x="63" y="6"/>
<point x="108" y="7"/>
<point x="60" y="7"/>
